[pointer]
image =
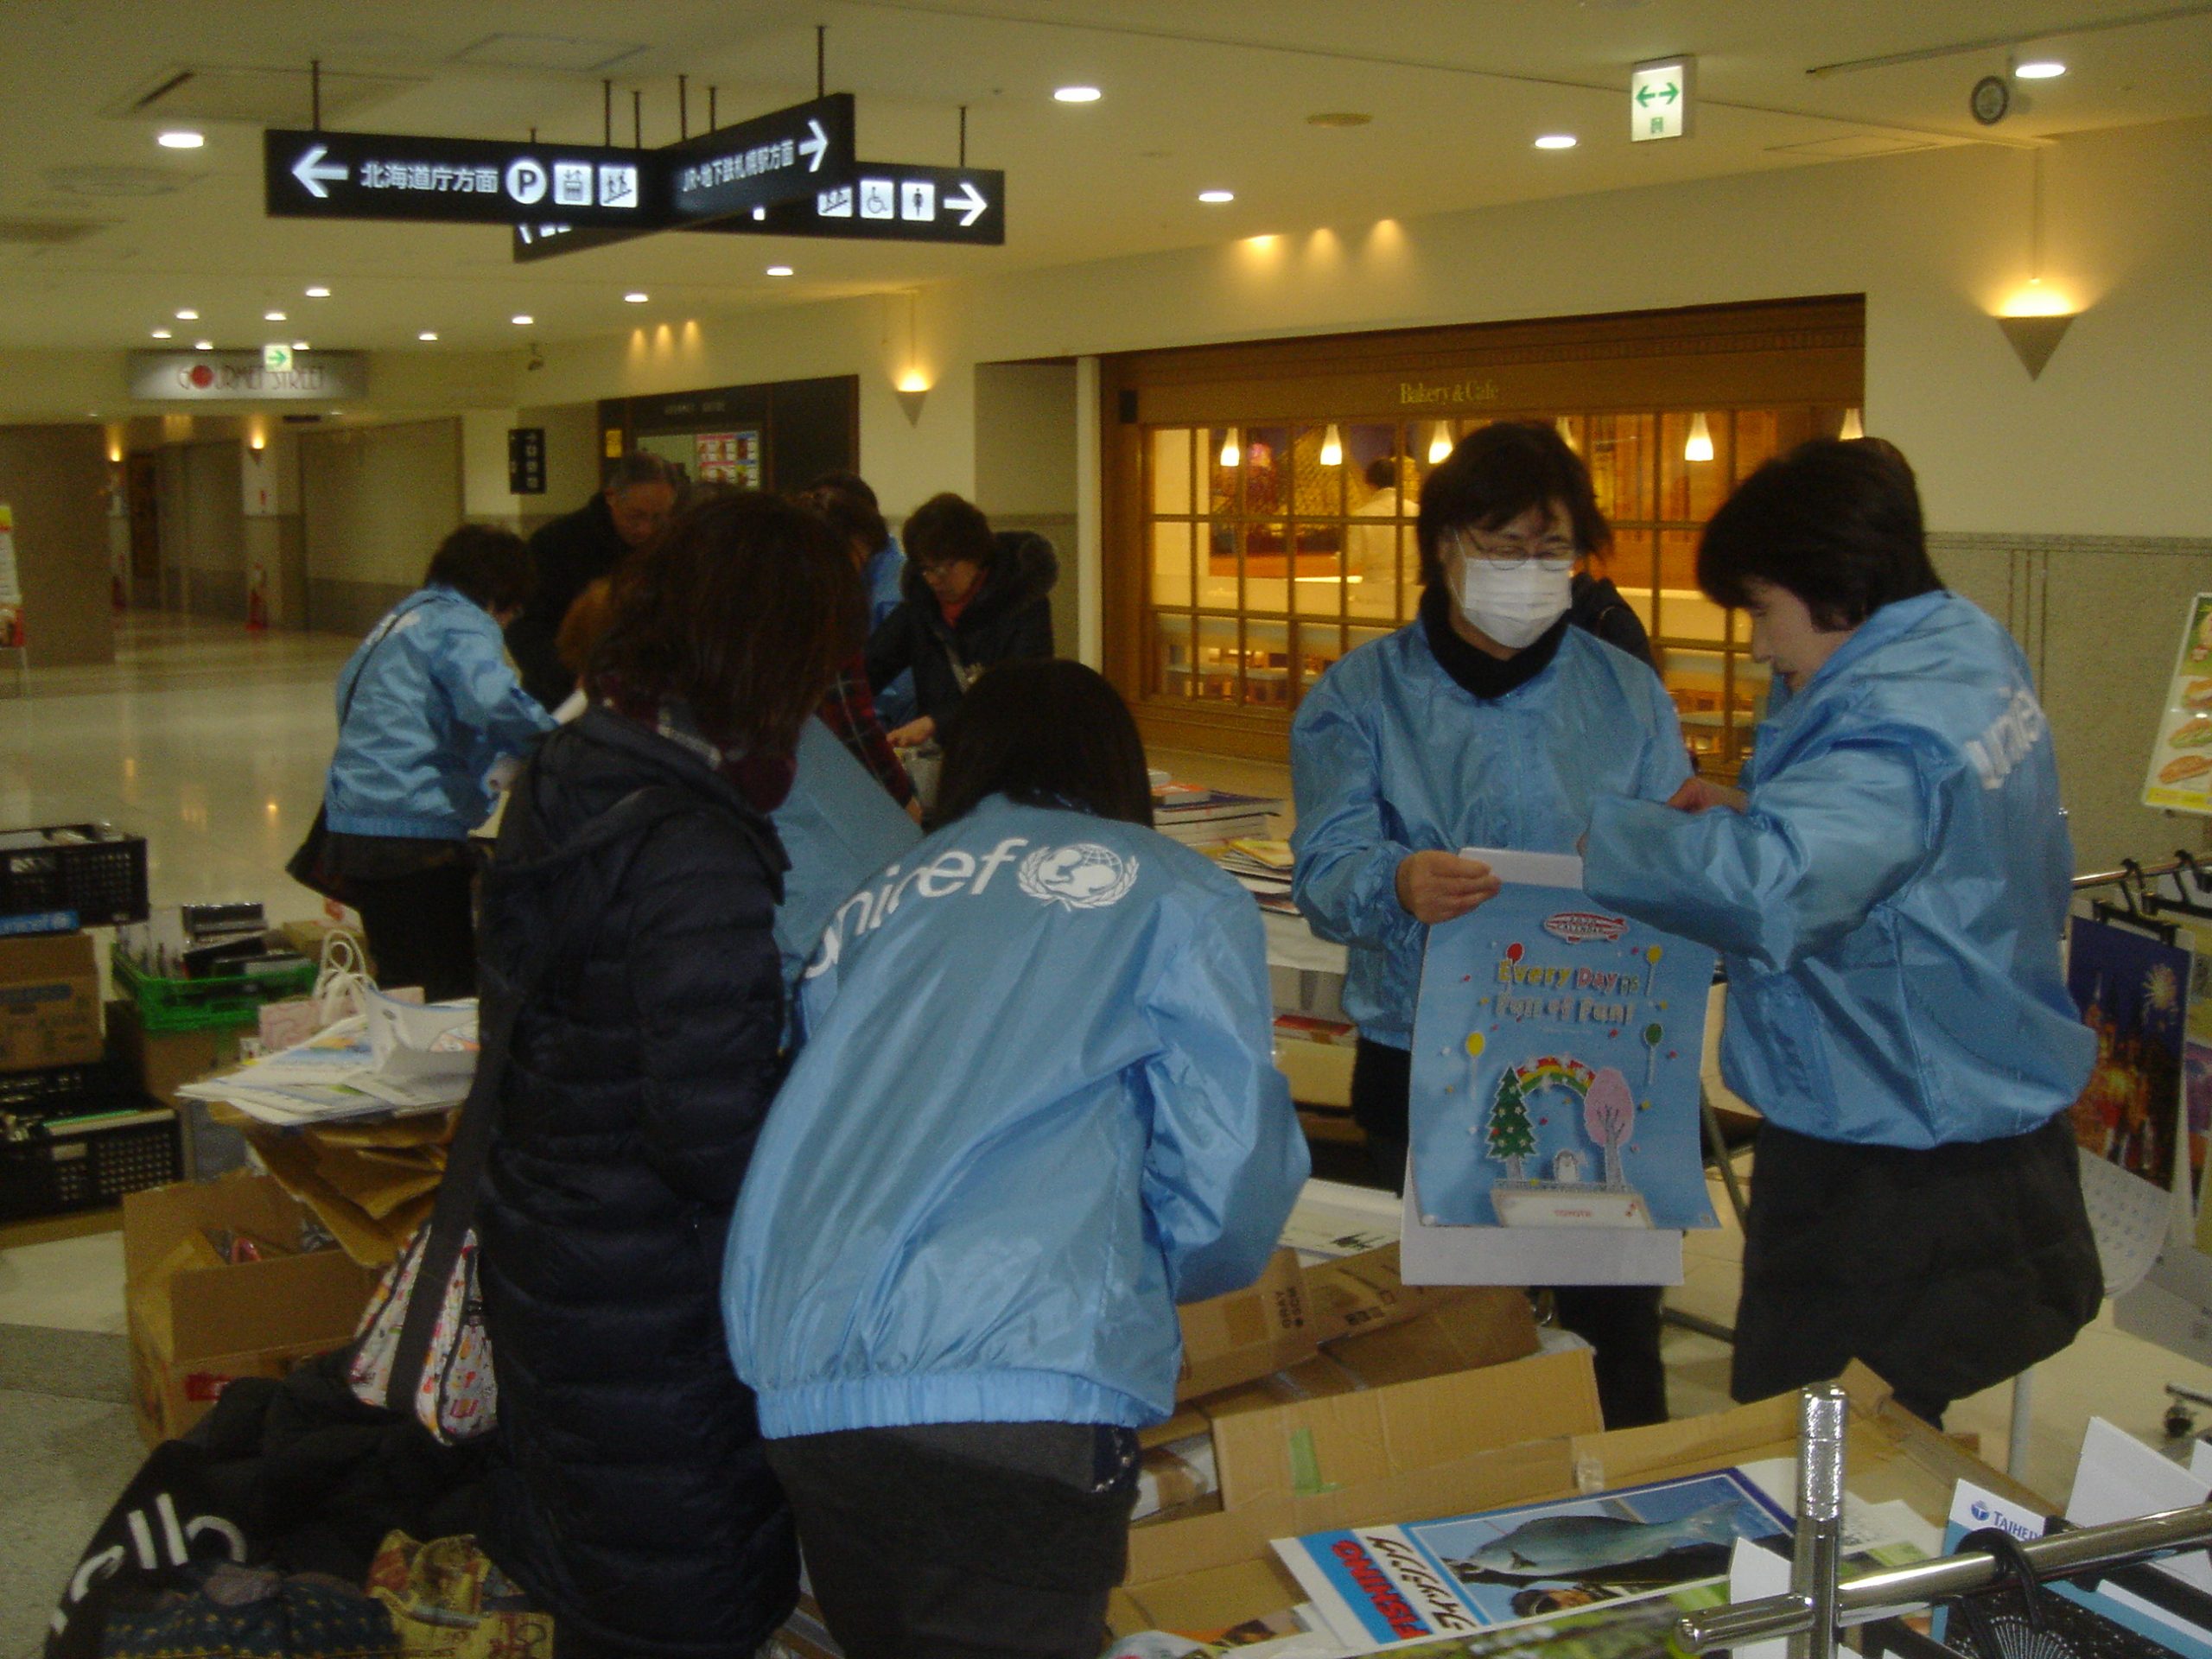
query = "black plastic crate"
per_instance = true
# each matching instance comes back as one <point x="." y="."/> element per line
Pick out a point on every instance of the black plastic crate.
<point x="54" y="1168"/>
<point x="58" y="1091"/>
<point x="71" y="875"/>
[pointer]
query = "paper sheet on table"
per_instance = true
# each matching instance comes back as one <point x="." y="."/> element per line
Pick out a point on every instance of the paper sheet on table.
<point x="1331" y="1220"/>
<point x="1866" y="1526"/>
<point x="1533" y="1255"/>
<point x="2131" y="1218"/>
<point x="1755" y="1571"/>
<point x="2119" y="1478"/>
<point x="415" y="1041"/>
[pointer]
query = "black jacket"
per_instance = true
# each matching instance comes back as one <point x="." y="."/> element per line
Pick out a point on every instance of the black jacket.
<point x="633" y="1499"/>
<point x="570" y="554"/>
<point x="1011" y="617"/>
<point x="1598" y="609"/>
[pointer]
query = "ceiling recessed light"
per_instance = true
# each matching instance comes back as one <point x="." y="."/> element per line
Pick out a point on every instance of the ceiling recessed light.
<point x="759" y="212"/>
<point x="272" y="316"/>
<point x="181" y="138"/>
<point x="636" y="297"/>
<point x="299" y="345"/>
<point x="1556" y="141"/>
<point x="203" y="345"/>
<point x="318" y="292"/>
<point x="187" y="316"/>
<point x="1338" y="119"/>
<point x="1217" y="197"/>
<point x="1076" y="94"/>
<point x="522" y="320"/>
<point x="779" y="270"/>
<point x="2040" y="69"/>
<point x="161" y="334"/>
<point x="427" y="333"/>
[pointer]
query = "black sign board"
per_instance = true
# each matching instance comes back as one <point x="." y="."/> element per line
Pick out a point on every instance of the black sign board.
<point x="458" y="181"/>
<point x="770" y="159"/>
<point x="886" y="201"/>
<point x="526" y="461"/>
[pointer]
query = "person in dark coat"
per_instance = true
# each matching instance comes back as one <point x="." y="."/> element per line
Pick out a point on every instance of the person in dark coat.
<point x="631" y="903"/>
<point x="973" y="599"/>
<point x="573" y="552"/>
<point x="1597" y="607"/>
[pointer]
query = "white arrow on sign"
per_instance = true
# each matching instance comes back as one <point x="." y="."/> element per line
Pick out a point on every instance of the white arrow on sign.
<point x="816" y="147"/>
<point x="311" y="171"/>
<point x="969" y="203"/>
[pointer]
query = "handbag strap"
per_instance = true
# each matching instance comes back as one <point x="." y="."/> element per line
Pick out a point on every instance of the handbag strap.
<point x="454" y="1210"/>
<point x="385" y="629"/>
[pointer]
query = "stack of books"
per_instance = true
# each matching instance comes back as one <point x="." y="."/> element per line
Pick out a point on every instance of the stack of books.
<point x="1194" y="815"/>
<point x="1260" y="865"/>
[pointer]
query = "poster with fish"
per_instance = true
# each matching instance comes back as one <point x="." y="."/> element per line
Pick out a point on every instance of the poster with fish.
<point x="1382" y="1585"/>
<point x="1556" y="1048"/>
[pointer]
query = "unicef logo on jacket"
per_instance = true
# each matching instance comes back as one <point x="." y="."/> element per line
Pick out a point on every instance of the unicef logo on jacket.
<point x="1085" y="876"/>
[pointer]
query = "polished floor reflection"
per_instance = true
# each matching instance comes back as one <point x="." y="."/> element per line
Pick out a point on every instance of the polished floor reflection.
<point x="207" y="740"/>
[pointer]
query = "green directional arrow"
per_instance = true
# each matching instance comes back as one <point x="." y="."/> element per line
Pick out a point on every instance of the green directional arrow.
<point x="1645" y="94"/>
<point x="1672" y="93"/>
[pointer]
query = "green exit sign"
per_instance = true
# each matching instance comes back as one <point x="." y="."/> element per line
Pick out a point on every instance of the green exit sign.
<point x="277" y="359"/>
<point x="1659" y="94"/>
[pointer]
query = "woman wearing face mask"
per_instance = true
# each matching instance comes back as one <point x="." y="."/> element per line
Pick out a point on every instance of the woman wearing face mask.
<point x="1488" y="721"/>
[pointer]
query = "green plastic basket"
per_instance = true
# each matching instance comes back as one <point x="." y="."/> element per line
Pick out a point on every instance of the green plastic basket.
<point x="206" y="1004"/>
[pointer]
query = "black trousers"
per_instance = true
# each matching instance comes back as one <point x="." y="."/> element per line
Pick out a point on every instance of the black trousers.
<point x="1619" y="1322"/>
<point x="958" y="1543"/>
<point x="421" y="930"/>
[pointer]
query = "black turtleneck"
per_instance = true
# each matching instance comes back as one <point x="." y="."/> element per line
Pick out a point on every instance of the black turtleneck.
<point x="1478" y="672"/>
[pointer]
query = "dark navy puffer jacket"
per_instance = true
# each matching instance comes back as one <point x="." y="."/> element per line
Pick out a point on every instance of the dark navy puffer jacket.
<point x="633" y="1499"/>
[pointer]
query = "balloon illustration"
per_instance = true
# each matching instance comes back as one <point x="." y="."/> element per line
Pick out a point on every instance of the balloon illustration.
<point x="1513" y="953"/>
<point x="1654" y="1035"/>
<point x="1655" y="953"/>
<point x="1475" y="1042"/>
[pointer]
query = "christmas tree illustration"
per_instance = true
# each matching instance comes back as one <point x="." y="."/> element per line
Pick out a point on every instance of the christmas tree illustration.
<point x="1511" y="1136"/>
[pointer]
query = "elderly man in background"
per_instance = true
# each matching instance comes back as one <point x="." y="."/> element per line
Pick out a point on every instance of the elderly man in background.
<point x="573" y="552"/>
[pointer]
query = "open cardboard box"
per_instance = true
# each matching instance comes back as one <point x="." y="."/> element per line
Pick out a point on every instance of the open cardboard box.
<point x="1512" y="1433"/>
<point x="198" y="1323"/>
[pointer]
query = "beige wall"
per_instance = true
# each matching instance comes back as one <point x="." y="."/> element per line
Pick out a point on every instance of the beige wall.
<point x="375" y="502"/>
<point x="1026" y="467"/>
<point x="55" y="479"/>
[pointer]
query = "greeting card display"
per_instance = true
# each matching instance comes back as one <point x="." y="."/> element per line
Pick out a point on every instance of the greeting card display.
<point x="1556" y="1048"/>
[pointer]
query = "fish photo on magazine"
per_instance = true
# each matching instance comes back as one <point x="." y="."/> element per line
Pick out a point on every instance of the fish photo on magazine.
<point x="1470" y="1573"/>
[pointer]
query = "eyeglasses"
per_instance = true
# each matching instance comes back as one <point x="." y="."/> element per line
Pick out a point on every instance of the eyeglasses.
<point x="1552" y="552"/>
<point x="941" y="571"/>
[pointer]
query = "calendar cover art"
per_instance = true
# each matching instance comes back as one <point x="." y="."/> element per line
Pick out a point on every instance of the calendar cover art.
<point x="1556" y="1052"/>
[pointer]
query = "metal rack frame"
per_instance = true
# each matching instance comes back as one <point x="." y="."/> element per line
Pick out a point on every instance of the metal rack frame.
<point x="1819" y="1606"/>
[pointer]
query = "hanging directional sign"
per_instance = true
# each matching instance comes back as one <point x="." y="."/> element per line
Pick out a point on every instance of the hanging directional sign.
<point x="885" y="201"/>
<point x="1659" y="99"/>
<point x="457" y="181"/>
<point x="771" y="159"/>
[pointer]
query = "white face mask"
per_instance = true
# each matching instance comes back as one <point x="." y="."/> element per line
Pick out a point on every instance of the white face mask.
<point x="1514" y="604"/>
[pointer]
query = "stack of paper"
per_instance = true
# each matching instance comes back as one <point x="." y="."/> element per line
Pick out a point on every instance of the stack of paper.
<point x="399" y="1057"/>
<point x="1193" y="815"/>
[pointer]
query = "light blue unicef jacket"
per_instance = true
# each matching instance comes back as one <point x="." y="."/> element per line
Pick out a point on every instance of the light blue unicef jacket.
<point x="1891" y="904"/>
<point x="1390" y="755"/>
<point x="1036" y="1109"/>
<point x="436" y="705"/>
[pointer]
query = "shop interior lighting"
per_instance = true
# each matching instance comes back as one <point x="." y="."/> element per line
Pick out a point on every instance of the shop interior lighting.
<point x="636" y="297"/>
<point x="298" y="346"/>
<point x="181" y="138"/>
<point x="1333" y="452"/>
<point x="1853" y="426"/>
<point x="1439" y="444"/>
<point x="203" y="345"/>
<point x="259" y="441"/>
<point x="1700" y="447"/>
<point x="1556" y="141"/>
<point x="427" y="334"/>
<point x="1215" y="197"/>
<point x="2039" y="69"/>
<point x="1076" y="94"/>
<point x="522" y="320"/>
<point x="187" y="316"/>
<point x="161" y="334"/>
<point x="779" y="270"/>
<point x="1231" y="455"/>
<point x="272" y="316"/>
<point x="318" y="292"/>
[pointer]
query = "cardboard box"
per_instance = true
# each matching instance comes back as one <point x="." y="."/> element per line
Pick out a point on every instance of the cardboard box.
<point x="1247" y="1333"/>
<point x="161" y="1061"/>
<point x="49" y="1001"/>
<point x="199" y="1323"/>
<point x="1512" y="1433"/>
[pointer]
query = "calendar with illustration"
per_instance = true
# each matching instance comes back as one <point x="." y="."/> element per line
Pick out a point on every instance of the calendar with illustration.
<point x="1556" y="1052"/>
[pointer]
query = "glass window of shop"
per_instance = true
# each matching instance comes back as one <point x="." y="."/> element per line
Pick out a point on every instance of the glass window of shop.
<point x="1271" y="548"/>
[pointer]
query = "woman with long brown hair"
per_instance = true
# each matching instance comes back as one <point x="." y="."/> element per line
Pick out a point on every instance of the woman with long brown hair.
<point x="630" y="909"/>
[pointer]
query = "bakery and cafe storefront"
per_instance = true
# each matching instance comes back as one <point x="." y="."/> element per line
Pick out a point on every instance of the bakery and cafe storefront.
<point x="1259" y="498"/>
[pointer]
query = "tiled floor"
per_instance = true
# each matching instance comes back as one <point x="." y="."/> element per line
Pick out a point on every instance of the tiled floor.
<point x="212" y="743"/>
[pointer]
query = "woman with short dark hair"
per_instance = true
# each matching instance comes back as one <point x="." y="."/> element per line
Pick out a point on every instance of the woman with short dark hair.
<point x="1036" y="1109"/>
<point x="1888" y="888"/>
<point x="629" y="908"/>
<point x="427" y="711"/>
<point x="974" y="598"/>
